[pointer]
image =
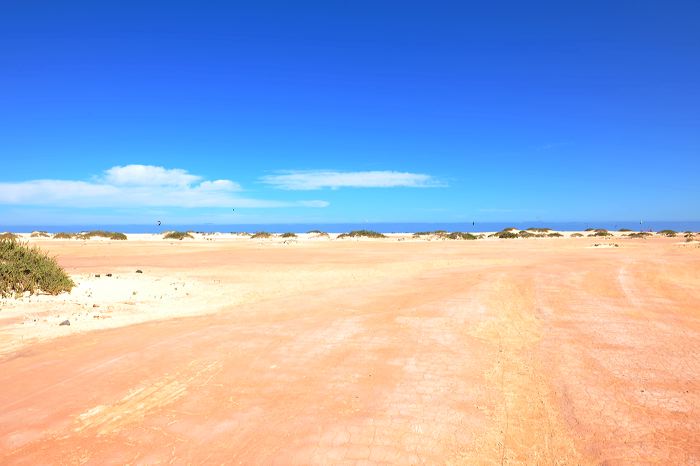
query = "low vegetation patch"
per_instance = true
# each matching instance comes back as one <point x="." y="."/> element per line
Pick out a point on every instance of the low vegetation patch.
<point x="24" y="268"/>
<point x="289" y="235"/>
<point x="362" y="233"/>
<point x="505" y="234"/>
<point x="576" y="235"/>
<point x="179" y="235"/>
<point x="460" y="235"/>
<point x="102" y="234"/>
<point x="641" y="234"/>
<point x="539" y="230"/>
<point x="624" y="229"/>
<point x="261" y="234"/>
<point x="40" y="234"/>
<point x="64" y="235"/>
<point x="431" y="233"/>
<point x="554" y="234"/>
<point x="8" y="236"/>
<point x="526" y="234"/>
<point x="669" y="233"/>
<point x="601" y="232"/>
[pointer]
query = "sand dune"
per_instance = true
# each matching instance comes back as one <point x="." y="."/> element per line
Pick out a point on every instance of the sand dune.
<point x="231" y="350"/>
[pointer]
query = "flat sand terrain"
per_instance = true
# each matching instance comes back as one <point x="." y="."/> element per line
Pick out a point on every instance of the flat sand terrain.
<point x="239" y="351"/>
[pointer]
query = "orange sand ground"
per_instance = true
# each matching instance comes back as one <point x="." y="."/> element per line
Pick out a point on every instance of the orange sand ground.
<point x="537" y="351"/>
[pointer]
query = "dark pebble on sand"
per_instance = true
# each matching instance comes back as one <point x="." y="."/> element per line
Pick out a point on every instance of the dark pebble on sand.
<point x="65" y="322"/>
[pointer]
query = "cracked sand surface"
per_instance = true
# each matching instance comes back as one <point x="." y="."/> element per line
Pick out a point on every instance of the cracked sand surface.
<point x="485" y="352"/>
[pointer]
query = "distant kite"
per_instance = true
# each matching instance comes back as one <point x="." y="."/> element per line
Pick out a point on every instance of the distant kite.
<point x="158" y="222"/>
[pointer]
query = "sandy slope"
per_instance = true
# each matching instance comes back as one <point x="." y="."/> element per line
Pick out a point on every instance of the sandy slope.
<point x="466" y="352"/>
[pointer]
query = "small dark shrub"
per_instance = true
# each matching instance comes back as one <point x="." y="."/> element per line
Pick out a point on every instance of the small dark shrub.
<point x="179" y="235"/>
<point x="506" y="234"/>
<point x="261" y="234"/>
<point x="440" y="233"/>
<point x="576" y="235"/>
<point x="554" y="235"/>
<point x="40" y="234"/>
<point x="362" y="233"/>
<point x="8" y="235"/>
<point x="460" y="235"/>
<point x="669" y="233"/>
<point x="289" y="235"/>
<point x="102" y="234"/>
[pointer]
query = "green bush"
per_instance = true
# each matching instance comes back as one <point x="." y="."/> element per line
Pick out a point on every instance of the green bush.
<point x="362" y="233"/>
<point x="539" y="230"/>
<point x="505" y="234"/>
<point x="554" y="235"/>
<point x="641" y="234"/>
<point x="669" y="233"/>
<point x="525" y="234"/>
<point x="289" y="235"/>
<point x="24" y="268"/>
<point x="576" y="235"/>
<point x="460" y="235"/>
<point x="8" y="235"/>
<point x="601" y="232"/>
<point x="40" y="234"/>
<point x="261" y="234"/>
<point x="430" y="233"/>
<point x="102" y="234"/>
<point x="179" y="235"/>
<point x="64" y="235"/>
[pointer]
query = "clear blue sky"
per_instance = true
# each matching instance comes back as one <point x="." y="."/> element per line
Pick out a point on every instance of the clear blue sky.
<point x="122" y="112"/>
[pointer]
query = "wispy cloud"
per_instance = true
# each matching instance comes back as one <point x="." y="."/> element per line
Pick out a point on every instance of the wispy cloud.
<point x="319" y="179"/>
<point x="149" y="175"/>
<point x="137" y="186"/>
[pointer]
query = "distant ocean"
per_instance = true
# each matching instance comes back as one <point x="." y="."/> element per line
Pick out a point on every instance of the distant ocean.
<point x="381" y="227"/>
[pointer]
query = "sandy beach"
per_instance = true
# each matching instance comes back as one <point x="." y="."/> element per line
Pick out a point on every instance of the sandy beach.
<point x="314" y="350"/>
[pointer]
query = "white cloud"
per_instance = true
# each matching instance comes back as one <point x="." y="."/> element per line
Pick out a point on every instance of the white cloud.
<point x="148" y="175"/>
<point x="137" y="186"/>
<point x="318" y="179"/>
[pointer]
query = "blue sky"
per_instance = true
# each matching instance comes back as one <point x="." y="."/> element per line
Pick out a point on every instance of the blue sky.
<point x="121" y="112"/>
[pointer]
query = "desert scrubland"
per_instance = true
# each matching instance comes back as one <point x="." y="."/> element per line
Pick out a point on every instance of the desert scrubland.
<point x="314" y="350"/>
